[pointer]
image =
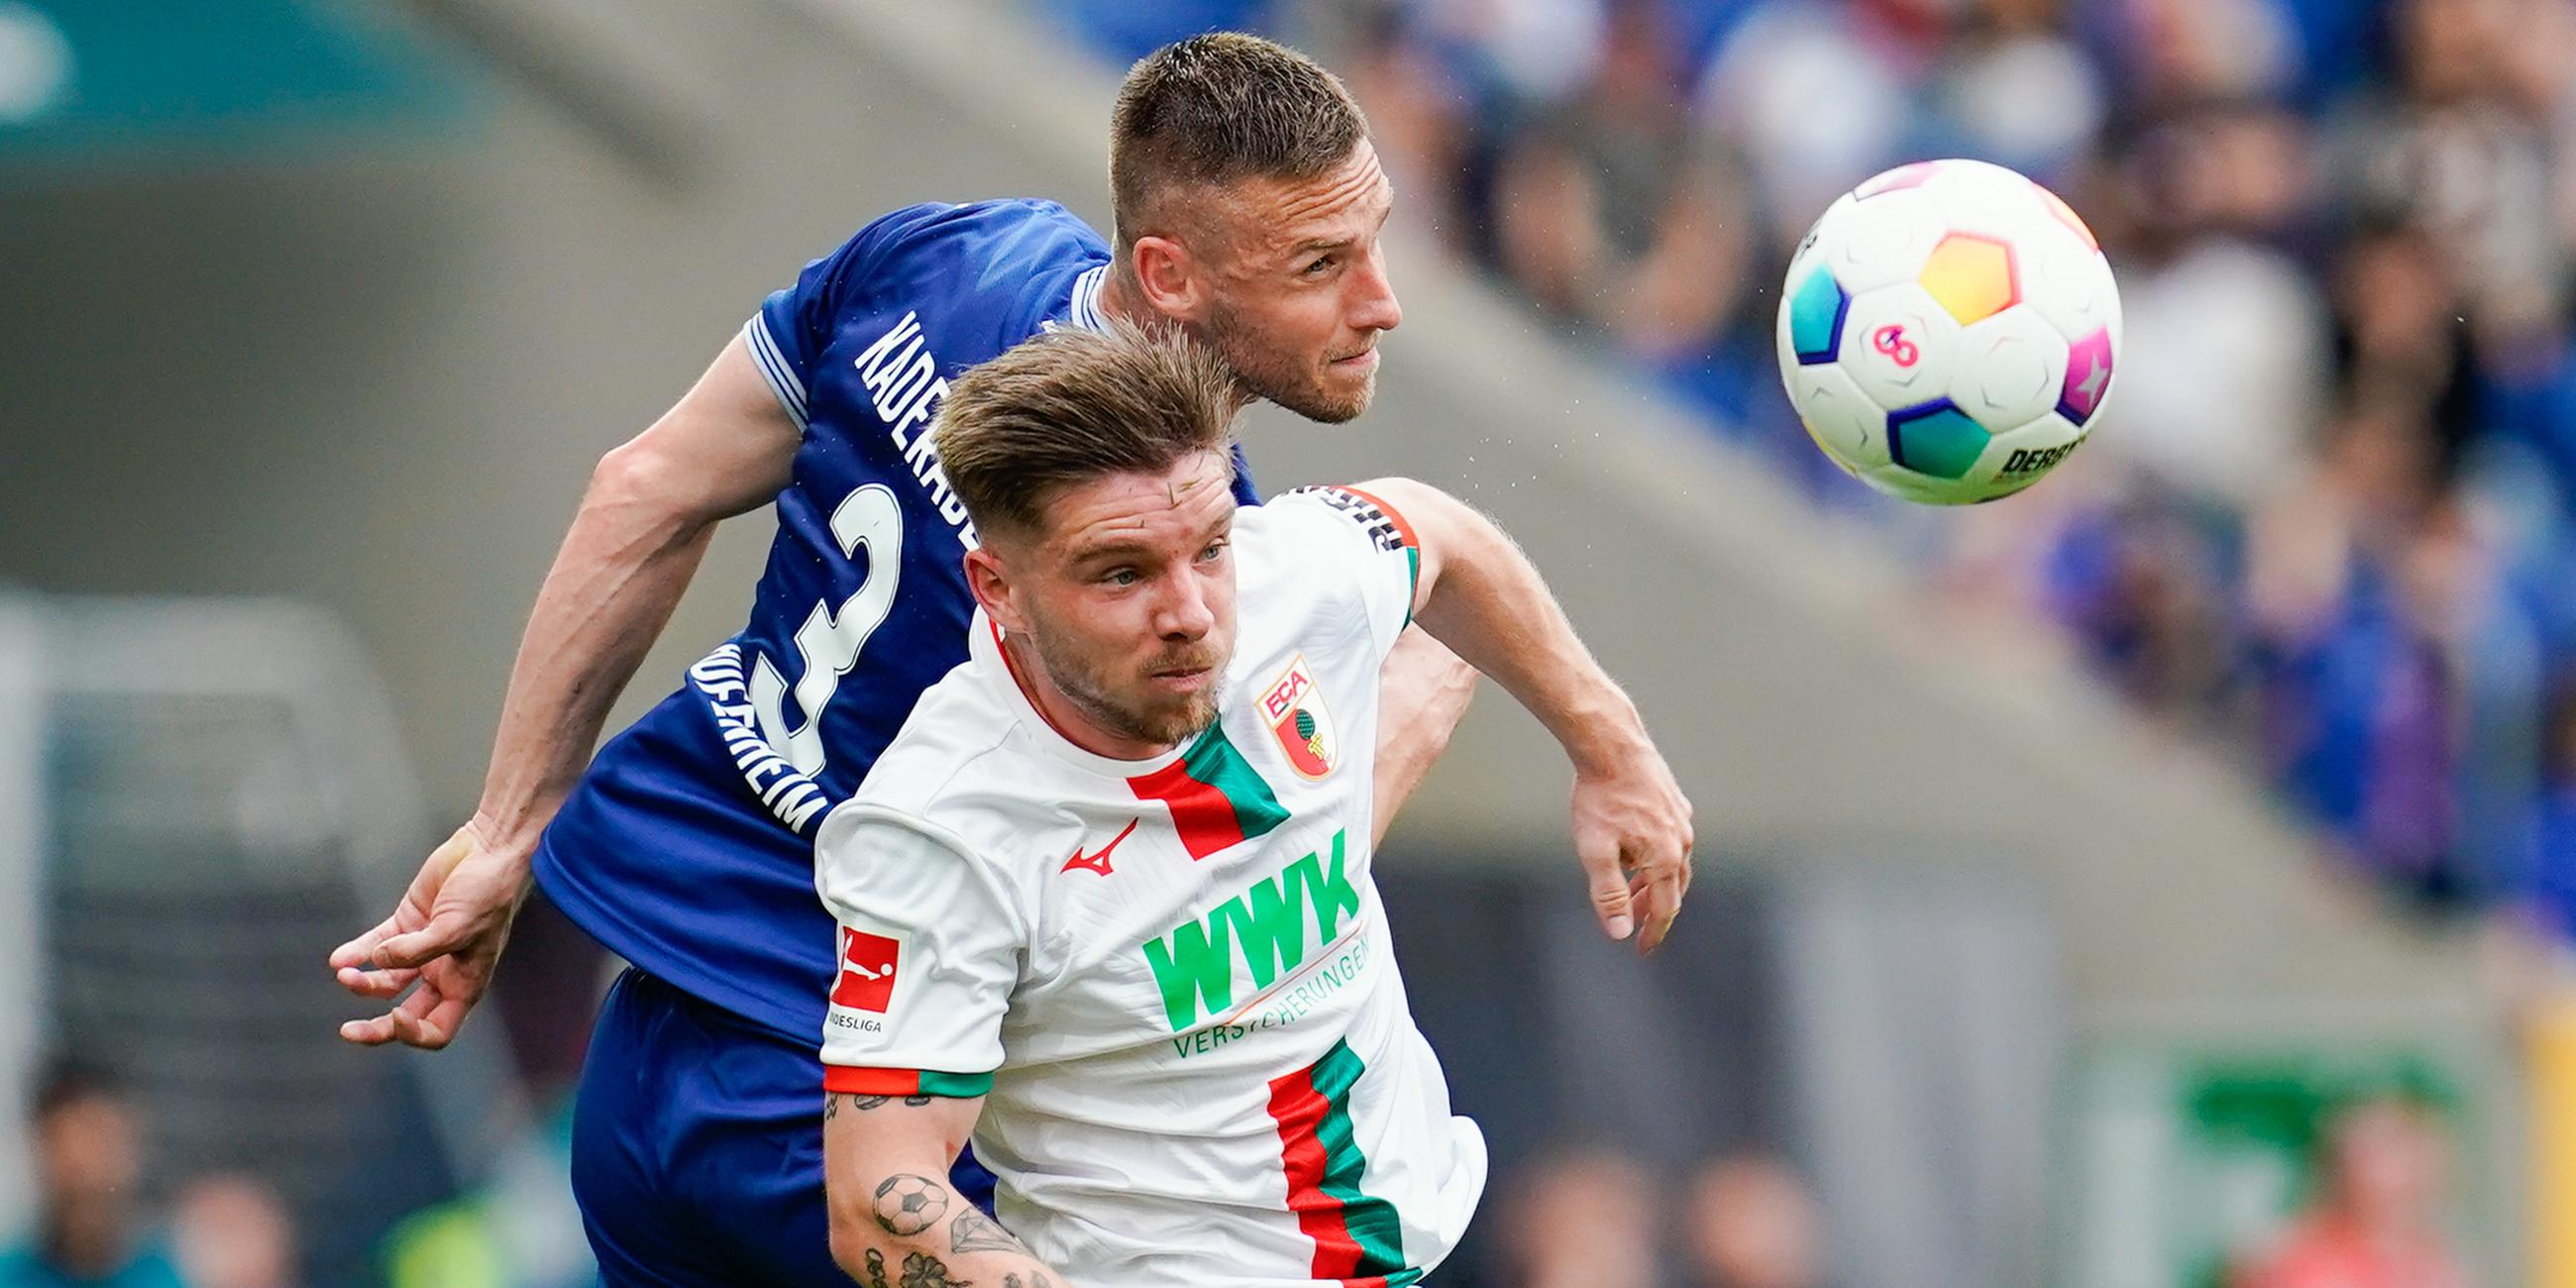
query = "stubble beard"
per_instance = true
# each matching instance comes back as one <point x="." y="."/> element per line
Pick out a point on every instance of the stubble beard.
<point x="1264" y="374"/>
<point x="1163" y="724"/>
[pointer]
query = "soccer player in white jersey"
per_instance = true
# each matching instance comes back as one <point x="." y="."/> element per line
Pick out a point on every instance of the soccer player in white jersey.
<point x="1248" y="204"/>
<point x="1105" y="904"/>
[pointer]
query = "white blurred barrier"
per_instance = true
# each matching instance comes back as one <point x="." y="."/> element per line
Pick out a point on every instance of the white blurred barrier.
<point x="22" y="945"/>
<point x="1927" y="1020"/>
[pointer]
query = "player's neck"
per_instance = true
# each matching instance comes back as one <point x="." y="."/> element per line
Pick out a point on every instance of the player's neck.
<point x="1121" y="301"/>
<point x="1063" y="715"/>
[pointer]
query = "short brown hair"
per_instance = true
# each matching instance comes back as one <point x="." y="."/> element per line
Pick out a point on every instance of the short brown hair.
<point x="1220" y="107"/>
<point x="1072" y="406"/>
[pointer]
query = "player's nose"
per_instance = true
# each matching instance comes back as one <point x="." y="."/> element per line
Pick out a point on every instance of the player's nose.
<point x="1185" y="612"/>
<point x="1373" y="302"/>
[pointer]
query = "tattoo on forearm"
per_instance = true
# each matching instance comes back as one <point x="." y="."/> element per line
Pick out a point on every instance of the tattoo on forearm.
<point x="922" y="1270"/>
<point x="1036" y="1279"/>
<point x="832" y="1103"/>
<point x="975" y="1232"/>
<point x="908" y="1205"/>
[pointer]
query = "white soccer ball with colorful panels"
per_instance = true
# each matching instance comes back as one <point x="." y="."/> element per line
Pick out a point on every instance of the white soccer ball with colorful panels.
<point x="1948" y="332"/>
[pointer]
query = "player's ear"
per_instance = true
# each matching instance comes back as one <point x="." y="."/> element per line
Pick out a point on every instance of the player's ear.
<point x="990" y="579"/>
<point x="1169" y="278"/>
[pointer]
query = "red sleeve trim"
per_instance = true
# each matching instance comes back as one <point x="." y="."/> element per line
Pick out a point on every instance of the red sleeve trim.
<point x="872" y="1082"/>
<point x="849" y="1080"/>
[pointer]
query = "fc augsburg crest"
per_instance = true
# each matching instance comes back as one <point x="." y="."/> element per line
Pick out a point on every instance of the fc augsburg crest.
<point x="1294" y="709"/>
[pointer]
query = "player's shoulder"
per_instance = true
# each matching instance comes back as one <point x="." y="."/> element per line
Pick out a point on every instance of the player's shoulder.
<point x="1014" y="256"/>
<point x="1327" y="567"/>
<point x="1344" y="506"/>
<point x="954" y="727"/>
<point x="1022" y="224"/>
<point x="1297" y="532"/>
<point x="963" y="770"/>
<point x="1268" y="536"/>
<point x="1285" y="573"/>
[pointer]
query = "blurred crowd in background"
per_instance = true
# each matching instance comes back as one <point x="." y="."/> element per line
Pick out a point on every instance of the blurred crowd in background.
<point x="1590" y="1215"/>
<point x="109" y="1215"/>
<point x="1748" y="1221"/>
<point x="2329" y="513"/>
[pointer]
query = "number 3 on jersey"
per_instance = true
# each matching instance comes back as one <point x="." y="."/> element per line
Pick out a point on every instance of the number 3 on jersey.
<point x="829" y="641"/>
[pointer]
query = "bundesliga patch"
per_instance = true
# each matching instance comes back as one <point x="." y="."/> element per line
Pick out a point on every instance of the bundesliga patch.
<point x="1294" y="709"/>
<point x="867" y="971"/>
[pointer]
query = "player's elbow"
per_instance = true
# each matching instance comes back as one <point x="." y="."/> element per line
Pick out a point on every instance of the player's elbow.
<point x="850" y="1246"/>
<point x="857" y="1238"/>
<point x="638" y="479"/>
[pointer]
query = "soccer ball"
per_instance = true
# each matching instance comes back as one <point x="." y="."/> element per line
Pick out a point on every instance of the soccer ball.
<point x="1948" y="332"/>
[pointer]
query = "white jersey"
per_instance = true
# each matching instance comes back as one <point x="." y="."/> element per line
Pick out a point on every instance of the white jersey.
<point x="1171" y="977"/>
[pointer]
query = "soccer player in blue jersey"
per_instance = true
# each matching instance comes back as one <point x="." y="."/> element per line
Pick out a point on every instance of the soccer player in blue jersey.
<point x="1248" y="204"/>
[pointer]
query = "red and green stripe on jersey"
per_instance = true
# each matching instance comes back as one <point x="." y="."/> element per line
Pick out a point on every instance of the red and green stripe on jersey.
<point x="1358" y="1240"/>
<point x="1216" y="797"/>
<point x="905" y="1082"/>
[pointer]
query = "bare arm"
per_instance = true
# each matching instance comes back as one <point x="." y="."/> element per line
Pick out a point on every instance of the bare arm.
<point x="1424" y="690"/>
<point x="894" y="1219"/>
<point x="1478" y="594"/>
<point x="643" y="526"/>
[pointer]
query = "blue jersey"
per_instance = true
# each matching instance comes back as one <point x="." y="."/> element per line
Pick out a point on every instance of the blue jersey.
<point x="687" y="848"/>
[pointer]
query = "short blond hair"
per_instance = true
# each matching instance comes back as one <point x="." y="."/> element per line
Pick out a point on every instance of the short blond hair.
<point x="1073" y="406"/>
<point x="1215" y="109"/>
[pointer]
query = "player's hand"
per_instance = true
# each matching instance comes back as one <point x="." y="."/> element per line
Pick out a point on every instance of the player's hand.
<point x="445" y="936"/>
<point x="1632" y="832"/>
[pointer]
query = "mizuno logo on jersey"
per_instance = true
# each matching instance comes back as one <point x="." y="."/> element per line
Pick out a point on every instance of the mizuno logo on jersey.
<point x="1271" y="928"/>
<point x="1098" y="861"/>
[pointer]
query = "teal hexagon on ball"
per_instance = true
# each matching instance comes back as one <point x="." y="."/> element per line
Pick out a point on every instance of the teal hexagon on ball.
<point x="1936" y="439"/>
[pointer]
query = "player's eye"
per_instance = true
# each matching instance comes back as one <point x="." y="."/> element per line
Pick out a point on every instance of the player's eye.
<point x="1121" y="577"/>
<point x="1215" y="550"/>
<point x="1316" y="266"/>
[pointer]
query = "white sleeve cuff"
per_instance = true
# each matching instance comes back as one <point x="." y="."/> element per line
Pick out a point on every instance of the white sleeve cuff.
<point x="782" y="378"/>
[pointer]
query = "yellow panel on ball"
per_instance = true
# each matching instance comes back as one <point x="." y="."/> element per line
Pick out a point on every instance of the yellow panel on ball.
<point x="1971" y="277"/>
